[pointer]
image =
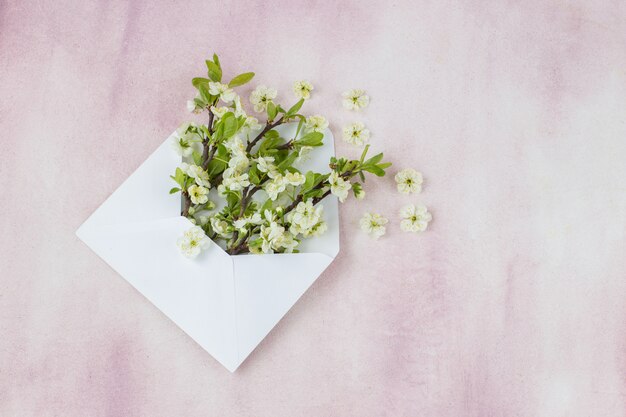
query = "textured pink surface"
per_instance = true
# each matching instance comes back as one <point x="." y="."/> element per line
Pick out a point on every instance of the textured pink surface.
<point x="511" y="305"/>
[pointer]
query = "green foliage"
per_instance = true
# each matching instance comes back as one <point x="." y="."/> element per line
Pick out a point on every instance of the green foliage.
<point x="225" y="142"/>
<point x="241" y="79"/>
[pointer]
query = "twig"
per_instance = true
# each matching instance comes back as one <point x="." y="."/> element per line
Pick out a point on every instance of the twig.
<point x="269" y="126"/>
<point x="186" y="205"/>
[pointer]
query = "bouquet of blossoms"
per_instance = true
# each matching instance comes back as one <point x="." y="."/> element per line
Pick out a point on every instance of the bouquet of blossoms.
<point x="242" y="182"/>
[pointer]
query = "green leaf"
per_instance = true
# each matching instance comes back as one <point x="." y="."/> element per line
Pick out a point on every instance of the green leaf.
<point x="217" y="60"/>
<point x="294" y="109"/>
<point x="384" y="165"/>
<point x="364" y="153"/>
<point x="179" y="177"/>
<point x="253" y="173"/>
<point x="311" y="139"/>
<point x="290" y="159"/>
<point x="199" y="81"/>
<point x="271" y="111"/>
<point x="270" y="143"/>
<point x="215" y="72"/>
<point x="216" y="167"/>
<point x="230" y="125"/>
<point x="204" y="93"/>
<point x="197" y="157"/>
<point x="374" y="170"/>
<point x="309" y="180"/>
<point x="266" y="206"/>
<point x="241" y="79"/>
<point x="374" y="159"/>
<point x="174" y="190"/>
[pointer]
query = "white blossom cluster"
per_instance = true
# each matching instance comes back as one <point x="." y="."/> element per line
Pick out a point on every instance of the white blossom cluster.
<point x="240" y="181"/>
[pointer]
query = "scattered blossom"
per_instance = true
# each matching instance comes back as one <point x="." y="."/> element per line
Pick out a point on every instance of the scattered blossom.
<point x="356" y="133"/>
<point x="261" y="96"/>
<point x="414" y="219"/>
<point x="373" y="224"/>
<point x="355" y="99"/>
<point x="409" y="181"/>
<point x="316" y="123"/>
<point x="192" y="242"/>
<point x="302" y="89"/>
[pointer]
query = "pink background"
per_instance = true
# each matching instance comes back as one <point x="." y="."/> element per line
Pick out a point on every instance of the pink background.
<point x="512" y="304"/>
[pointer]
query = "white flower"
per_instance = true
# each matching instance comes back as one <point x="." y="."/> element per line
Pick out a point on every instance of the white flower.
<point x="275" y="187"/>
<point x="243" y="222"/>
<point x="235" y="145"/>
<point x="239" y="110"/>
<point x="250" y="125"/>
<point x="302" y="89"/>
<point x="271" y="237"/>
<point x="356" y="133"/>
<point x="409" y="181"/>
<point x="317" y="230"/>
<point x="338" y="186"/>
<point x="192" y="242"/>
<point x="373" y="224"/>
<point x="187" y="129"/>
<point x="261" y="96"/>
<point x="234" y="180"/>
<point x="286" y="241"/>
<point x="265" y="164"/>
<point x="355" y="99"/>
<point x="316" y="123"/>
<point x="198" y="194"/>
<point x="218" y="89"/>
<point x="199" y="175"/>
<point x="221" y="227"/>
<point x="305" y="219"/>
<point x="219" y="112"/>
<point x="414" y="219"/>
<point x="295" y="178"/>
<point x="238" y="161"/>
<point x="181" y="146"/>
<point x="192" y="105"/>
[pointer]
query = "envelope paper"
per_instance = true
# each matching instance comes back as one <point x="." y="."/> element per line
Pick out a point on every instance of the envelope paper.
<point x="227" y="304"/>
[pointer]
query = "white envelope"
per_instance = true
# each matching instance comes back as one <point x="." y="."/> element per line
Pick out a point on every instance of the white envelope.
<point x="227" y="304"/>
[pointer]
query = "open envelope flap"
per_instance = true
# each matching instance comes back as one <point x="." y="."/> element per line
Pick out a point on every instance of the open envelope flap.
<point x="198" y="295"/>
<point x="266" y="287"/>
<point x="144" y="195"/>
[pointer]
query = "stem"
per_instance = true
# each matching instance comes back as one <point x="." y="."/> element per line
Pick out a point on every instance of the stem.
<point x="187" y="204"/>
<point x="207" y="154"/>
<point x="268" y="126"/>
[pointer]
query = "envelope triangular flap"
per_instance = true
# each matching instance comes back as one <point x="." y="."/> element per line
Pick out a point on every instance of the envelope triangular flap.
<point x="144" y="194"/>
<point x="197" y="295"/>
<point x="266" y="287"/>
